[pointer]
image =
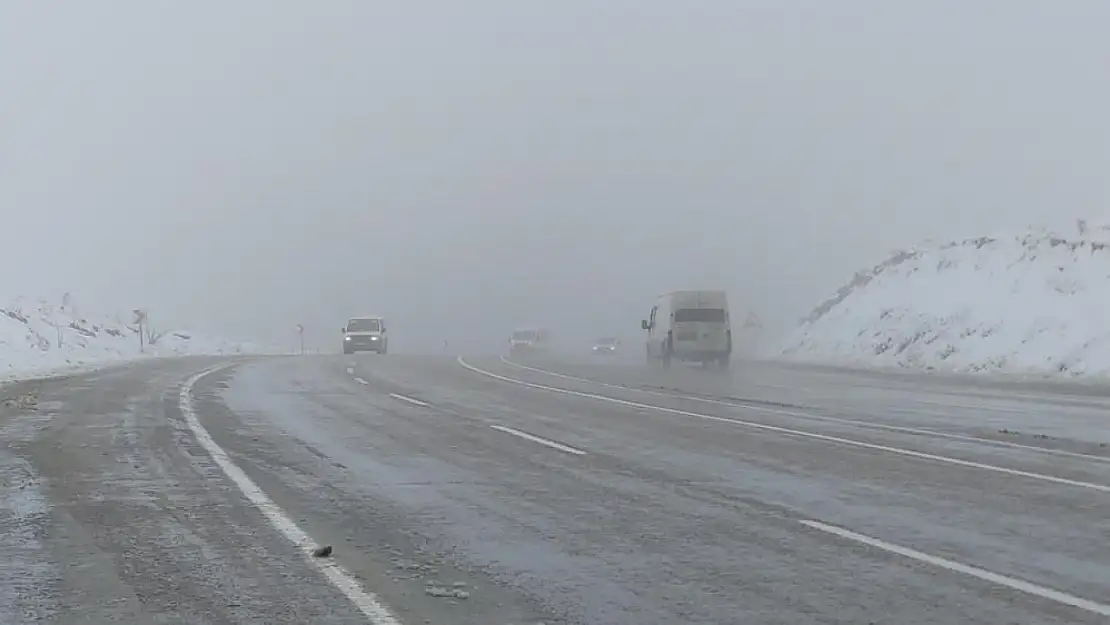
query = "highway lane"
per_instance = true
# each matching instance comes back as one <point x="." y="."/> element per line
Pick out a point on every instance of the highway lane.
<point x="1066" y="414"/>
<point x="657" y="468"/>
<point x="569" y="498"/>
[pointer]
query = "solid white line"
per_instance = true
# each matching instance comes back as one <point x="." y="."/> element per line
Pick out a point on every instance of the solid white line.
<point x="365" y="601"/>
<point x="990" y="392"/>
<point x="537" y="439"/>
<point x="983" y="574"/>
<point x="816" y="417"/>
<point x="361" y="381"/>
<point x="784" y="430"/>
<point x="410" y="400"/>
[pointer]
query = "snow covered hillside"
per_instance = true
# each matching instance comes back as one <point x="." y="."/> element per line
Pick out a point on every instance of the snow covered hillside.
<point x="1038" y="302"/>
<point x="38" y="336"/>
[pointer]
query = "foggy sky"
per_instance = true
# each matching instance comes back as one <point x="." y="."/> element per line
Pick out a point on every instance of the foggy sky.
<point x="463" y="167"/>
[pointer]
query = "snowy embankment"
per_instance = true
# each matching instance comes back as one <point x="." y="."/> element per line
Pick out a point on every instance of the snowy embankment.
<point x="1033" y="303"/>
<point x="38" y="337"/>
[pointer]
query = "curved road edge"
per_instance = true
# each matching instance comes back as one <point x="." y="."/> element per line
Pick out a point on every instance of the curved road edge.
<point x="366" y="602"/>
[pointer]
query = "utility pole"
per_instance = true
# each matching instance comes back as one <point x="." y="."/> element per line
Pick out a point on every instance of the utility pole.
<point x="300" y="335"/>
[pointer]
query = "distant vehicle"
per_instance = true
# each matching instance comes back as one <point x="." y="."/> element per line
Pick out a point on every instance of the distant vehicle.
<point x="691" y="326"/>
<point x="605" y="346"/>
<point x="365" y="334"/>
<point x="529" y="340"/>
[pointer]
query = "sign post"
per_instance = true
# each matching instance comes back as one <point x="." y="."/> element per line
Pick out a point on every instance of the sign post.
<point x="300" y="335"/>
<point x="140" y="320"/>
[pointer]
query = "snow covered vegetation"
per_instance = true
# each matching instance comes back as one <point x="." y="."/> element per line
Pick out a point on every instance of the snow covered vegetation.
<point x="38" y="337"/>
<point x="1032" y="303"/>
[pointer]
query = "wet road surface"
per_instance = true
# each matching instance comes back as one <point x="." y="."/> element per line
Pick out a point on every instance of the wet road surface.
<point x="480" y="490"/>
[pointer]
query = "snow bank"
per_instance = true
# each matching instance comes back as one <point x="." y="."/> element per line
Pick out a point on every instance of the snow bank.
<point x="1032" y="303"/>
<point x="39" y="337"/>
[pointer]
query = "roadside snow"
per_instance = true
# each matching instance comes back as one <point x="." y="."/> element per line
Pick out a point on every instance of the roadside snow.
<point x="1033" y="303"/>
<point x="38" y="337"/>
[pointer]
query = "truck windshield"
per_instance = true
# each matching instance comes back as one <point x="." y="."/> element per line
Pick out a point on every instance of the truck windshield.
<point x="710" y="315"/>
<point x="363" y="325"/>
<point x="524" y="335"/>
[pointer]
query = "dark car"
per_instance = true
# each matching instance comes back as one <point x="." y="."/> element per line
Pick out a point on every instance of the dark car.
<point x="605" y="346"/>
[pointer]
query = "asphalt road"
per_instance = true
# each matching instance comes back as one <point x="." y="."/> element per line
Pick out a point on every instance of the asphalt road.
<point x="482" y="491"/>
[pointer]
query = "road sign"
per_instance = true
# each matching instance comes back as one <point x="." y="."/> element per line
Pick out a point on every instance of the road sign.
<point x="300" y="329"/>
<point x="140" y="320"/>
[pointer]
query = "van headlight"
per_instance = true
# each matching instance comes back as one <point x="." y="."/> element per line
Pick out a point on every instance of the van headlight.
<point x="346" y="338"/>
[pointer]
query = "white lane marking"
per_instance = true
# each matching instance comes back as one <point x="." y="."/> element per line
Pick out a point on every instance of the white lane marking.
<point x="983" y="574"/>
<point x="537" y="439"/>
<point x="901" y="376"/>
<point x="364" y="600"/>
<point x="791" y="431"/>
<point x="415" y="402"/>
<point x="816" y="417"/>
<point x="361" y="381"/>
